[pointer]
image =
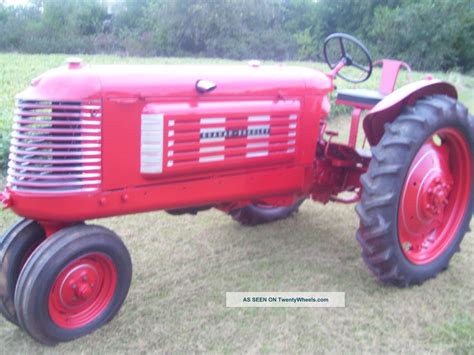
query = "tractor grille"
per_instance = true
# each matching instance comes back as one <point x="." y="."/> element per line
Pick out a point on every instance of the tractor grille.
<point x="55" y="147"/>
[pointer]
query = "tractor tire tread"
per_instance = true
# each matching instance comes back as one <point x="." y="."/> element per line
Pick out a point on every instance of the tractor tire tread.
<point x="377" y="234"/>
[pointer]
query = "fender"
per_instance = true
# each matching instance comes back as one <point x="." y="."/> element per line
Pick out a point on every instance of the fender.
<point x="390" y="107"/>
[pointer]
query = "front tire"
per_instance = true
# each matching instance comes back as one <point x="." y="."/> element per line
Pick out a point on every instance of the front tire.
<point x="16" y="246"/>
<point x="417" y="198"/>
<point x="74" y="283"/>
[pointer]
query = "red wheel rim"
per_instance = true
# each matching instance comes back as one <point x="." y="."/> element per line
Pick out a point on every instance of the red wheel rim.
<point x="82" y="291"/>
<point x="435" y="196"/>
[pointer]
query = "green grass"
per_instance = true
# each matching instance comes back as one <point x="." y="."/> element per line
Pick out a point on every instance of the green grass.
<point x="184" y="265"/>
<point x="457" y="335"/>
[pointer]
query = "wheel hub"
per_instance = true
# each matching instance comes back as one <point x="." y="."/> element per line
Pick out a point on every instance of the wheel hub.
<point x="426" y="192"/>
<point x="434" y="199"/>
<point x="82" y="291"/>
<point x="78" y="285"/>
<point x="85" y="291"/>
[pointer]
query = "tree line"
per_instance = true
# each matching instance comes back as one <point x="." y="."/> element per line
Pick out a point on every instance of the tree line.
<point x="428" y="34"/>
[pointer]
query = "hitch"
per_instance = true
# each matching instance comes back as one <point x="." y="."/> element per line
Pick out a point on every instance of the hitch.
<point x="5" y="199"/>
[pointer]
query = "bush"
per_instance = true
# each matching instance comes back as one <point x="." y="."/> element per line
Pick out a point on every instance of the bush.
<point x="429" y="34"/>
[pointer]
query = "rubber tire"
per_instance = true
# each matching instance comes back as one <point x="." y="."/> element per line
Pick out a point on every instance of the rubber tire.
<point x="45" y="264"/>
<point x="383" y="183"/>
<point x="253" y="215"/>
<point x="15" y="244"/>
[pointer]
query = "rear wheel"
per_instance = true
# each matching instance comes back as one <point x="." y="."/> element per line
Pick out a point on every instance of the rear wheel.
<point x="417" y="195"/>
<point x="255" y="214"/>
<point x="16" y="246"/>
<point x="74" y="283"/>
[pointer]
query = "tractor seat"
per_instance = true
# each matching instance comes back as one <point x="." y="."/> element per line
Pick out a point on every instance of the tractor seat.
<point x="359" y="98"/>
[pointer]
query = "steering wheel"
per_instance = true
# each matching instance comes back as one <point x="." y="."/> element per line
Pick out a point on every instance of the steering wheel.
<point x="359" y="57"/>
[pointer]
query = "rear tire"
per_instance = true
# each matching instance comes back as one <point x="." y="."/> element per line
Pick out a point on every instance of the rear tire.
<point x="74" y="283"/>
<point x="417" y="198"/>
<point x="253" y="214"/>
<point x="16" y="245"/>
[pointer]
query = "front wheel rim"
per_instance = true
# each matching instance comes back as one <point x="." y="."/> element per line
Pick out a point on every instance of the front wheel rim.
<point x="435" y="196"/>
<point x="82" y="291"/>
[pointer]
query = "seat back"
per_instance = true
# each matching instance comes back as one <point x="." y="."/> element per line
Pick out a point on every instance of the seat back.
<point x="390" y="70"/>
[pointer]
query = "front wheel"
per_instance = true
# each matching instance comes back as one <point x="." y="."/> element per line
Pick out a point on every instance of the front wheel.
<point x="417" y="198"/>
<point x="73" y="283"/>
<point x="16" y="246"/>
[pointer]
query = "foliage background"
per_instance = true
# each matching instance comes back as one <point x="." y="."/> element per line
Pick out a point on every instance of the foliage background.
<point x="429" y="34"/>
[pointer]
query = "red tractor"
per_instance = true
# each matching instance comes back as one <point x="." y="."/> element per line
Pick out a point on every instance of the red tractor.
<point x="98" y="141"/>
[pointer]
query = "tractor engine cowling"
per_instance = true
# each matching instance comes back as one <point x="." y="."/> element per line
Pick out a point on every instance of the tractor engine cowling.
<point x="109" y="140"/>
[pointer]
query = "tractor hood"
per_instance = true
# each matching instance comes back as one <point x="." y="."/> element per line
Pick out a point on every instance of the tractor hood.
<point x="67" y="83"/>
<point x="86" y="82"/>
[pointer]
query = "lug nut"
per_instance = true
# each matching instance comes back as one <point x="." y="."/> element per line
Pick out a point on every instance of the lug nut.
<point x="84" y="278"/>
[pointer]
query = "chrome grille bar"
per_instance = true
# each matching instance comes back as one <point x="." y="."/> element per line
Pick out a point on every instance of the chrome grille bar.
<point x="55" y="147"/>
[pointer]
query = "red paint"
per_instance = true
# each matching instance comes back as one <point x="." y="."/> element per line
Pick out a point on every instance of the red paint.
<point x="332" y="74"/>
<point x="354" y="127"/>
<point x="390" y="70"/>
<point x="110" y="108"/>
<point x="82" y="291"/>
<point x="170" y="195"/>
<point x="435" y="197"/>
<point x="118" y="140"/>
<point x="51" y="227"/>
<point x="389" y="108"/>
<point x="388" y="80"/>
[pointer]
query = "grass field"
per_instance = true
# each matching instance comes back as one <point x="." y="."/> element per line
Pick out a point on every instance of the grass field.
<point x="184" y="265"/>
